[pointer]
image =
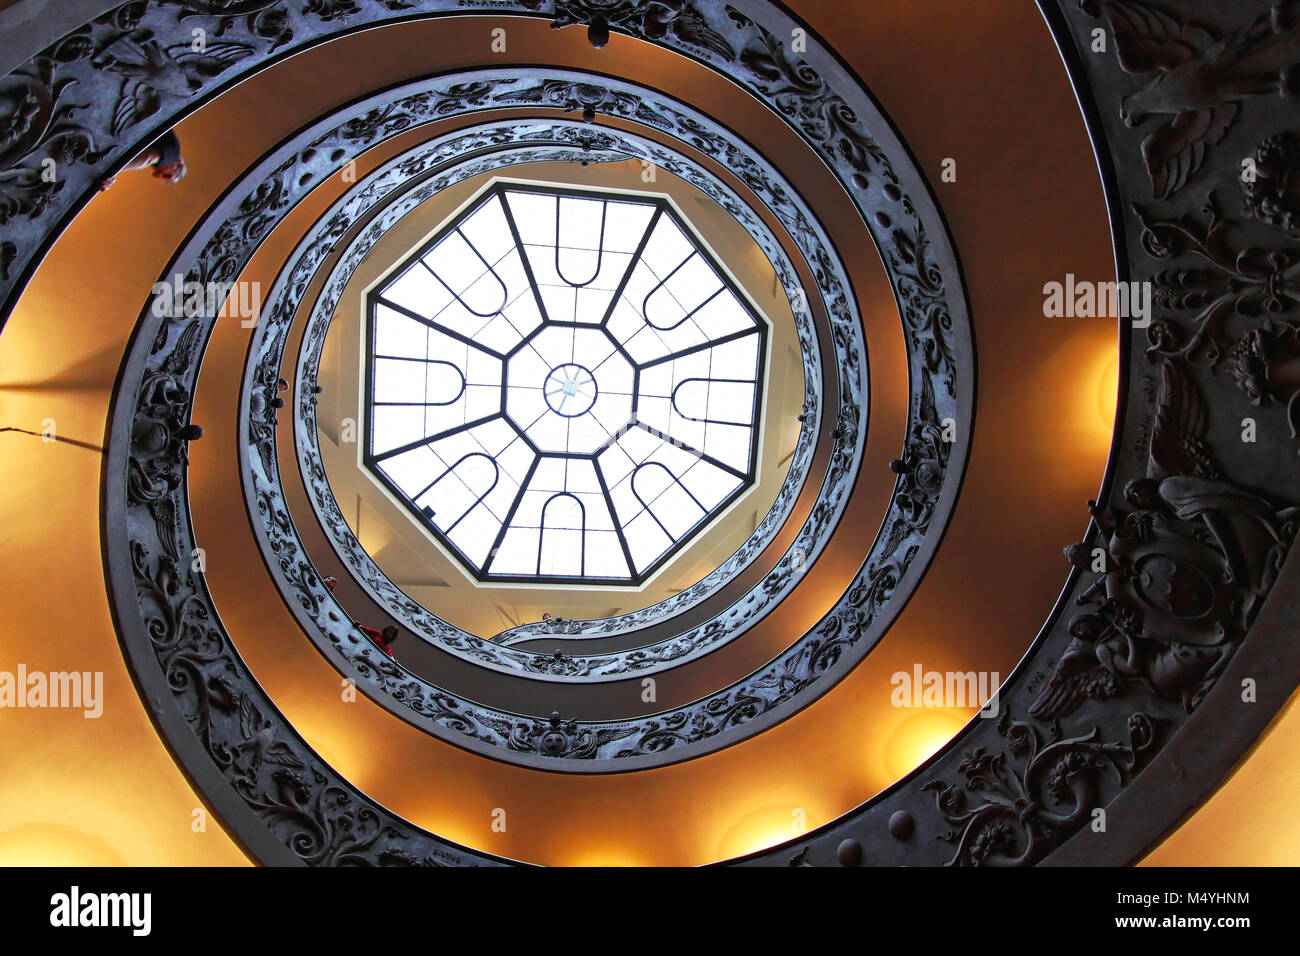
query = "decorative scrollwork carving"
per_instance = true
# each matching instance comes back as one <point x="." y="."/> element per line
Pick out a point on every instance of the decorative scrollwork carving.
<point x="1016" y="805"/>
<point x="140" y="76"/>
<point x="39" y="132"/>
<point x="1265" y="362"/>
<point x="283" y="783"/>
<point x="1186" y="568"/>
<point x="267" y="19"/>
<point x="814" y="106"/>
<point x="1251" y="282"/>
<point x="653" y="20"/>
<point x="851" y="628"/>
<point x="151" y="72"/>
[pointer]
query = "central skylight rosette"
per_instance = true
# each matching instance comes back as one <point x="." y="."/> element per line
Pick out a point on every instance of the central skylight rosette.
<point x="563" y="386"/>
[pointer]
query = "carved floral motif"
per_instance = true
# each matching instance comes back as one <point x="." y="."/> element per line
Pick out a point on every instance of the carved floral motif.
<point x="38" y="127"/>
<point x="647" y="19"/>
<point x="1250" y="283"/>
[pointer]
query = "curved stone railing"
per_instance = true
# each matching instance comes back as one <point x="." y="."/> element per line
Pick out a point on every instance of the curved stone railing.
<point x="195" y="684"/>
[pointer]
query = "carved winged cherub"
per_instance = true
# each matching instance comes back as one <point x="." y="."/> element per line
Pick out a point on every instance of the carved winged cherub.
<point x="1197" y="81"/>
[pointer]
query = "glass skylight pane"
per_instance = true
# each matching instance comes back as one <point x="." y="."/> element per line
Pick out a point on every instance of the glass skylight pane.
<point x="418" y="291"/>
<point x="580" y="239"/>
<point x="560" y="302"/>
<point x="710" y="485"/>
<point x="730" y="445"/>
<point x="515" y="460"/>
<point x="676" y="510"/>
<point x="614" y="464"/>
<point x="500" y="439"/>
<point x="680" y="294"/>
<point x="591" y="304"/>
<point x="549" y="432"/>
<point x="586" y="434"/>
<point x="479" y="368"/>
<point x="614" y="417"/>
<point x="605" y="556"/>
<point x="646" y="344"/>
<point x="394" y="426"/>
<point x="458" y="265"/>
<point x="475" y="534"/>
<point x="481" y="401"/>
<point x="591" y="350"/>
<point x="517" y="554"/>
<point x="657" y="414"/>
<point x="667" y="248"/>
<point x="688" y="432"/>
<point x="685" y="336"/>
<point x="457" y="491"/>
<point x="561" y="553"/>
<point x="488" y="231"/>
<point x="723" y="316"/>
<point x="395" y="334"/>
<point x="650" y="481"/>
<point x="598" y="514"/>
<point x="410" y="471"/>
<point x="553" y="428"/>
<point x="580" y="478"/>
<point x="534" y="215"/>
<point x="399" y="380"/>
<point x="740" y="356"/>
<point x="730" y="402"/>
<point x="443" y="383"/>
<point x="523" y="313"/>
<point x="626" y="225"/>
<point x="645" y="540"/>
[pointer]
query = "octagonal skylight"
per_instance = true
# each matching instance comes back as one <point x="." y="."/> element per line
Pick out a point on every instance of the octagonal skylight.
<point x="563" y="386"/>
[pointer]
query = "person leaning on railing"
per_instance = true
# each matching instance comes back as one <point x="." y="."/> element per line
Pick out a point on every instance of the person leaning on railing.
<point x="164" y="156"/>
<point x="382" y="639"/>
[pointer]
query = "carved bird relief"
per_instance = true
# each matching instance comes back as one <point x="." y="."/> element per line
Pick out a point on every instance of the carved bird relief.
<point x="1197" y="80"/>
<point x="258" y="743"/>
<point x="152" y="72"/>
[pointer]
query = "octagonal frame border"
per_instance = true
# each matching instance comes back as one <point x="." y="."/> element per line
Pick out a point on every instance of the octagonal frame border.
<point x="662" y="205"/>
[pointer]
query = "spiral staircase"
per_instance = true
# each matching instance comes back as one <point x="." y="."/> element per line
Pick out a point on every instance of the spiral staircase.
<point x="847" y="453"/>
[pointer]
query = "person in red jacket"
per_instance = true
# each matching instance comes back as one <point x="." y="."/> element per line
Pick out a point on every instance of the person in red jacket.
<point x="383" y="639"/>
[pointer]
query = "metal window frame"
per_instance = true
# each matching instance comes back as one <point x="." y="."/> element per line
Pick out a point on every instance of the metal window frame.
<point x="662" y="206"/>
